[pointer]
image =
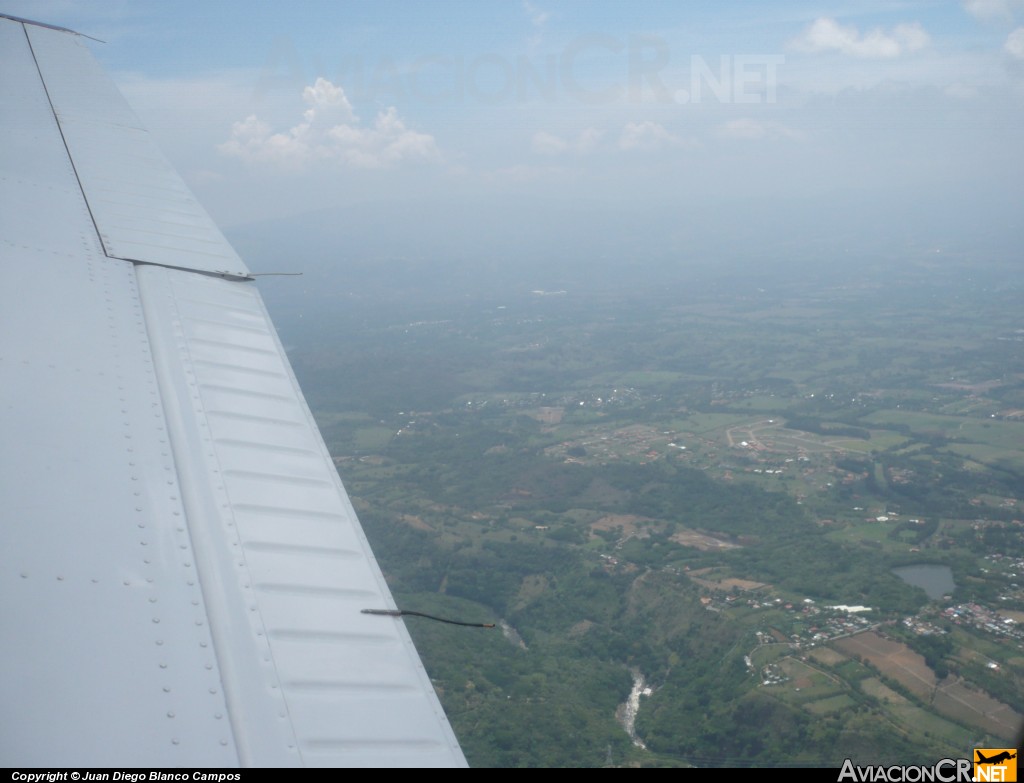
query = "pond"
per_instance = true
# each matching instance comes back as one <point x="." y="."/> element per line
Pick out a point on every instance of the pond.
<point x="935" y="580"/>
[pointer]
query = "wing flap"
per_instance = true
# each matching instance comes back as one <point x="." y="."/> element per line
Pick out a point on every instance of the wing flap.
<point x="272" y="525"/>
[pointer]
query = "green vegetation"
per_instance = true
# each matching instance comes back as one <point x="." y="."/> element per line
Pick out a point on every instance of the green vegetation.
<point x="680" y="483"/>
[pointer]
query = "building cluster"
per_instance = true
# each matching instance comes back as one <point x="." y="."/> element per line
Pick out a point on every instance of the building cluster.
<point x="984" y="619"/>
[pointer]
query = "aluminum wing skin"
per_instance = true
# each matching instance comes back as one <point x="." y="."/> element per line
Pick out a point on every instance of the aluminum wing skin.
<point x="181" y="571"/>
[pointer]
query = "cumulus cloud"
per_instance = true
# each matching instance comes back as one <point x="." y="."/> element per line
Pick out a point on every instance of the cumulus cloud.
<point x="325" y="99"/>
<point x="586" y="141"/>
<point x="648" y="135"/>
<point x="748" y="128"/>
<point x="1014" y="45"/>
<point x="827" y="35"/>
<point x="331" y="131"/>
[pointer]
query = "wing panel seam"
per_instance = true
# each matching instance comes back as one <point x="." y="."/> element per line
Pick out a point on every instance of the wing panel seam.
<point x="63" y="138"/>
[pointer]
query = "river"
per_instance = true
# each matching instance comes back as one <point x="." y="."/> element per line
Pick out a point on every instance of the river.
<point x="626" y="713"/>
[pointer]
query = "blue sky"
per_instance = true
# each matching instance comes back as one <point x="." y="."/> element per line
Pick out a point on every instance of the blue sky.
<point x="269" y="112"/>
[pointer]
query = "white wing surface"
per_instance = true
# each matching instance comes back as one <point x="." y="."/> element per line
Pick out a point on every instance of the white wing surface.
<point x="181" y="572"/>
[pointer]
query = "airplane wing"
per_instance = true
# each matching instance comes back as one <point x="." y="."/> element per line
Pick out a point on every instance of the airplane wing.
<point x="181" y="571"/>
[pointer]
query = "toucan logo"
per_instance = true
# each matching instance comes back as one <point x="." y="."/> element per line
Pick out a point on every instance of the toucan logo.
<point x="995" y="764"/>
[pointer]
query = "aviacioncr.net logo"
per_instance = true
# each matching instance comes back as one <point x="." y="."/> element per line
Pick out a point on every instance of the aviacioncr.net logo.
<point x="945" y="771"/>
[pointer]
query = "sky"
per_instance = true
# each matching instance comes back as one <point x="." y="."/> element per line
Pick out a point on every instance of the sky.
<point x="654" y="106"/>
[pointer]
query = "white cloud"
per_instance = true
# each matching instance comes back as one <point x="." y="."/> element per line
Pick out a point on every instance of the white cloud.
<point x="548" y="144"/>
<point x="586" y="141"/>
<point x="648" y="135"/>
<point x="1014" y="45"/>
<point x="748" y="128"/>
<point x="324" y="98"/>
<point x="825" y="34"/>
<point x="961" y="91"/>
<point x="520" y="173"/>
<point x="538" y="18"/>
<point x="331" y="131"/>
<point x="992" y="9"/>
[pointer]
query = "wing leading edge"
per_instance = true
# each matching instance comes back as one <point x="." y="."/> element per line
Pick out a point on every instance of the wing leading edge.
<point x="182" y="571"/>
